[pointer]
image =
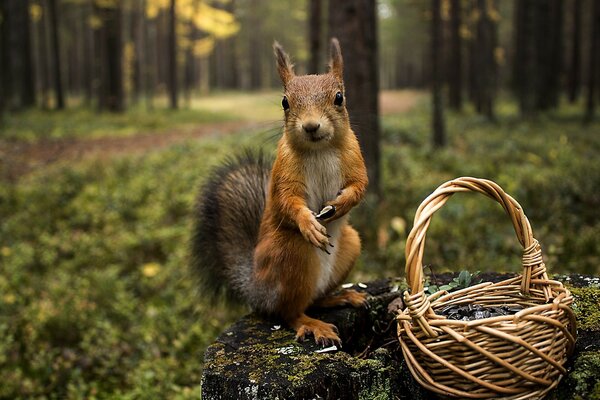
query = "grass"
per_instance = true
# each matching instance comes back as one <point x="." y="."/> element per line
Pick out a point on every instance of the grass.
<point x="82" y="123"/>
<point x="96" y="300"/>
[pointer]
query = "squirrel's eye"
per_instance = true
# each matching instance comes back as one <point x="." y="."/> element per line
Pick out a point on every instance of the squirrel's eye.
<point x="285" y="104"/>
<point x="339" y="99"/>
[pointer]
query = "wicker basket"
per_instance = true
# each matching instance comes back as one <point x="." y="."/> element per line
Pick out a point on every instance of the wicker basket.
<point x="518" y="356"/>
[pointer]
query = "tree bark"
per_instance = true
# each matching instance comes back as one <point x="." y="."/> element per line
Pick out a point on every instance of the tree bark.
<point x="21" y="58"/>
<point x="438" y="124"/>
<point x="172" y="56"/>
<point x="58" y="90"/>
<point x="354" y="23"/>
<point x="455" y="87"/>
<point x="575" y="68"/>
<point x="110" y="59"/>
<point x="593" y="62"/>
<point x="254" y="46"/>
<point x="314" y="36"/>
<point x="538" y="67"/>
<point x="4" y="60"/>
<point x="486" y="65"/>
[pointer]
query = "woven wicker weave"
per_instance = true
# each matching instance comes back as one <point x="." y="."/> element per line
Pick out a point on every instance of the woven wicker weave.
<point x="518" y="356"/>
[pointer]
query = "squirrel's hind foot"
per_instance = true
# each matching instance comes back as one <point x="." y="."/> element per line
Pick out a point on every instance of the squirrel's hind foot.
<point x="325" y="334"/>
<point x="347" y="297"/>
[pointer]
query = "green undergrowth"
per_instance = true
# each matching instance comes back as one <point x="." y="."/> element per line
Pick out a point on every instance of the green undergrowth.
<point x="96" y="300"/>
<point x="549" y="165"/>
<point x="81" y="122"/>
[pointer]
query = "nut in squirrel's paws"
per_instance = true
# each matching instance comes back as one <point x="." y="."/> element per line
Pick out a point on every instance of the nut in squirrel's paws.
<point x="314" y="232"/>
<point x="325" y="334"/>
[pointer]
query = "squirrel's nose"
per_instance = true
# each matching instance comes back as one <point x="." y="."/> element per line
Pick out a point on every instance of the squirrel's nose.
<point x="311" y="127"/>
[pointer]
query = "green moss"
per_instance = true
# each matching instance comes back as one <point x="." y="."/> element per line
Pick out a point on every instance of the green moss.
<point x="378" y="390"/>
<point x="587" y="307"/>
<point x="586" y="376"/>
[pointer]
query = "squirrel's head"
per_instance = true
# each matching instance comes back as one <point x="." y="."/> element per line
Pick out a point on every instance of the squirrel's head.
<point x="314" y="105"/>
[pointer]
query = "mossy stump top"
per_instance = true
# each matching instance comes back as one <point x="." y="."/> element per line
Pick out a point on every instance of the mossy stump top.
<point x="258" y="358"/>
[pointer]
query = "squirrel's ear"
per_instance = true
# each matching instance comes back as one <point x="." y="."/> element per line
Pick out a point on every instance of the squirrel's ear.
<point x="284" y="66"/>
<point x="336" y="63"/>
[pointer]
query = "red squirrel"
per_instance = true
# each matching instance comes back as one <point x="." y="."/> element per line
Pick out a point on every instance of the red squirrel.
<point x="258" y="229"/>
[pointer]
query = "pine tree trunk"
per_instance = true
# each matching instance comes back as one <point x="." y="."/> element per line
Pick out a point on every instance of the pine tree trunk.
<point x="58" y="90"/>
<point x="4" y="61"/>
<point x="254" y="46"/>
<point x="20" y="48"/>
<point x="486" y="64"/>
<point x="438" y="124"/>
<point x="354" y="23"/>
<point x="594" y="63"/>
<point x="575" y="69"/>
<point x="314" y="36"/>
<point x="173" y="95"/>
<point x="110" y="59"/>
<point x="455" y="78"/>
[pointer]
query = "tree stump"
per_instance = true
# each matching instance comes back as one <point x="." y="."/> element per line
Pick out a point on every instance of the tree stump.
<point x="258" y="358"/>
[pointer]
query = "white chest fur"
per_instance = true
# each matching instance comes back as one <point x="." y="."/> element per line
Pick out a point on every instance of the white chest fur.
<point x="323" y="182"/>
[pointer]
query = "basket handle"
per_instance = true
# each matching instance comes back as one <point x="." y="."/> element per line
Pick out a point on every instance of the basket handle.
<point x="533" y="265"/>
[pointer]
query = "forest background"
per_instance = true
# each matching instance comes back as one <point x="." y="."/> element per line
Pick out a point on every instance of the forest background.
<point x="113" y="112"/>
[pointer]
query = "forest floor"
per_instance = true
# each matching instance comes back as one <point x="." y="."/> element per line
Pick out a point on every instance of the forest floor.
<point x="19" y="157"/>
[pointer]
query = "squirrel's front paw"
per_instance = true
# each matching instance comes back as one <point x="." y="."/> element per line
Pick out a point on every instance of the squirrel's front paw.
<point x="313" y="231"/>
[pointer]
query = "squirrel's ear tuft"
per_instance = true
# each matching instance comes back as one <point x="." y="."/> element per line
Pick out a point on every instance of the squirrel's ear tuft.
<point x="284" y="66"/>
<point x="336" y="63"/>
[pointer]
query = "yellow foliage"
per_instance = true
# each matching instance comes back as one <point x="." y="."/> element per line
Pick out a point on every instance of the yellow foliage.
<point x="219" y="23"/>
<point x="204" y="46"/>
<point x="465" y="32"/>
<point x="150" y="269"/>
<point x="35" y="12"/>
<point x="445" y="10"/>
<point x="106" y="3"/>
<point x="95" y="22"/>
<point x="5" y="251"/>
<point x="129" y="57"/>
<point x="9" y="298"/>
<point x="153" y="7"/>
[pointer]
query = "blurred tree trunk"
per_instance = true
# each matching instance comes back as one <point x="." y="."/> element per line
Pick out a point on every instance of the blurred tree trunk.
<point x="523" y="60"/>
<point x="172" y="46"/>
<point x="472" y="82"/>
<point x="486" y="42"/>
<point x="438" y="124"/>
<point x="19" y="46"/>
<point x="58" y="90"/>
<point x="538" y="55"/>
<point x="88" y="55"/>
<point x="314" y="36"/>
<point x="455" y="68"/>
<point x="4" y="58"/>
<point x="553" y="37"/>
<point x="45" y="59"/>
<point x="137" y="37"/>
<point x="575" y="67"/>
<point x="150" y="63"/>
<point x="594" y="63"/>
<point x="110" y="58"/>
<point x="255" y="45"/>
<point x="223" y="59"/>
<point x="354" y="23"/>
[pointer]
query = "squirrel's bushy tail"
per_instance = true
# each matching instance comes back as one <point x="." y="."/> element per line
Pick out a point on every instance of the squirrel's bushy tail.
<point x="227" y="218"/>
